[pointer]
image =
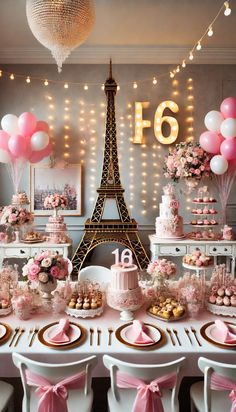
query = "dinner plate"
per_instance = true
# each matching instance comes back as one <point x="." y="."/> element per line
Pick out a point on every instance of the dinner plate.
<point x="3" y="330"/>
<point x="78" y="336"/>
<point x="150" y="330"/>
<point x="123" y="336"/>
<point x="74" y="333"/>
<point x="210" y="333"/>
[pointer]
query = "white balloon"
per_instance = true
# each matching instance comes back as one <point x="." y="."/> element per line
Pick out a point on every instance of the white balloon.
<point x="219" y="165"/>
<point x="4" y="156"/>
<point x="9" y="124"/>
<point x="228" y="128"/>
<point x="213" y="120"/>
<point x="39" y="140"/>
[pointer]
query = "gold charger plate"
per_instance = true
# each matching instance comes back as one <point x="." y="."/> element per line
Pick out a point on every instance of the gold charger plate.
<point x="70" y="345"/>
<point x="7" y="335"/>
<point x="220" y="345"/>
<point x="155" y="345"/>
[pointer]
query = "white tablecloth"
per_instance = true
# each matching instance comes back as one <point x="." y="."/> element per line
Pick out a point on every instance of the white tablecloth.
<point x="110" y="318"/>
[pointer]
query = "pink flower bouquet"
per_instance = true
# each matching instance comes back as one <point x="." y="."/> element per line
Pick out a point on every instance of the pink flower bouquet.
<point x="46" y="267"/>
<point x="55" y="201"/>
<point x="161" y="268"/>
<point x="15" y="216"/>
<point x="187" y="160"/>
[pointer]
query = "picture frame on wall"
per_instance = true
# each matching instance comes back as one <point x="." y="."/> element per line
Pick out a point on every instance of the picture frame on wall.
<point x="46" y="180"/>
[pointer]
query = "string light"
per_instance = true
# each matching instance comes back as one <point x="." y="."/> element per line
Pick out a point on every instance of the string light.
<point x="27" y="79"/>
<point x="85" y="87"/>
<point x="45" y="82"/>
<point x="103" y="87"/>
<point x="172" y="75"/>
<point x="199" y="46"/>
<point x="183" y="64"/>
<point x="66" y="86"/>
<point x="177" y="69"/>
<point x="191" y="55"/>
<point x="227" y="11"/>
<point x="210" y="32"/>
<point x="135" y="85"/>
<point x="12" y="77"/>
<point x="154" y="81"/>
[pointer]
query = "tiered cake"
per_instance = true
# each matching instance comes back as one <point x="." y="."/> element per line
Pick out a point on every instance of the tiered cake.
<point x="204" y="215"/>
<point x="124" y="293"/>
<point x="169" y="224"/>
<point x="56" y="228"/>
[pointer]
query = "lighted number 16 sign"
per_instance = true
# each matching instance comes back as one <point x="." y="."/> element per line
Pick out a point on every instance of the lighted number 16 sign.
<point x="159" y="119"/>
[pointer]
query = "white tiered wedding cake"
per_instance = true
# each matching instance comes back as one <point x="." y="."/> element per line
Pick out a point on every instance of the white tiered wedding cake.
<point x="169" y="224"/>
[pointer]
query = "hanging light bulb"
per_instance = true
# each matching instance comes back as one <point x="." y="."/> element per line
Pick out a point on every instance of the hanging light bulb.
<point x="183" y="64"/>
<point x="210" y="32"/>
<point x="191" y="56"/>
<point x="103" y="86"/>
<point x="199" y="46"/>
<point x="154" y="81"/>
<point x="177" y="69"/>
<point x="85" y="87"/>
<point x="227" y="11"/>
<point x="12" y="77"/>
<point x="66" y="86"/>
<point x="118" y="87"/>
<point x="27" y="79"/>
<point x="45" y="82"/>
<point x="172" y="75"/>
<point x="135" y="85"/>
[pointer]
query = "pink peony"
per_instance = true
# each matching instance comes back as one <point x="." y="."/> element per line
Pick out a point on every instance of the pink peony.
<point x="55" y="271"/>
<point x="34" y="269"/>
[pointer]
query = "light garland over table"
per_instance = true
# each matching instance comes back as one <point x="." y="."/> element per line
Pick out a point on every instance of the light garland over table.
<point x="197" y="47"/>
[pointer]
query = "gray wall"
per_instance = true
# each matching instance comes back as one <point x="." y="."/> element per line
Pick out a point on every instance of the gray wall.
<point x="211" y="83"/>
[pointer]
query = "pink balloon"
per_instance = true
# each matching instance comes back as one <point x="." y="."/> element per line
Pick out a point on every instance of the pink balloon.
<point x="4" y="137"/>
<point x="27" y="123"/>
<point x="17" y="145"/>
<point x="42" y="126"/>
<point x="38" y="155"/>
<point x="210" y="142"/>
<point x="28" y="149"/>
<point x="228" y="149"/>
<point x="228" y="107"/>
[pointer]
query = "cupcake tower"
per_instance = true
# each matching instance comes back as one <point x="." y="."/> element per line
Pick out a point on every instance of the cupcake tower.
<point x="204" y="215"/>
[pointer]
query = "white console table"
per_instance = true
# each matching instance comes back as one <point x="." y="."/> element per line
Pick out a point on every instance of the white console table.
<point x="23" y="250"/>
<point x="176" y="247"/>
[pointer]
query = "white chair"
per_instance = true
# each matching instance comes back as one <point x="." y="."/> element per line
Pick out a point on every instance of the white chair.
<point x="99" y="274"/>
<point x="81" y="399"/>
<point x="205" y="399"/>
<point x="6" y="397"/>
<point x="123" y="399"/>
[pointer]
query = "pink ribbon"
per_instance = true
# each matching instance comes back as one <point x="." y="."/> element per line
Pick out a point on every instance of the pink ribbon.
<point x="53" y="398"/>
<point x="149" y="395"/>
<point x="220" y="383"/>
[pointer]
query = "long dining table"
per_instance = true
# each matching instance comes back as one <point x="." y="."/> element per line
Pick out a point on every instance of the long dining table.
<point x="98" y="343"/>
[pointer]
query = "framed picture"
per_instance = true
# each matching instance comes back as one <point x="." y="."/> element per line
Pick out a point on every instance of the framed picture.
<point x="46" y="180"/>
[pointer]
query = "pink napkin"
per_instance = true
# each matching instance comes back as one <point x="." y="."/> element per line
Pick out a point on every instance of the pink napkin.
<point x="60" y="334"/>
<point x="224" y="332"/>
<point x="138" y="333"/>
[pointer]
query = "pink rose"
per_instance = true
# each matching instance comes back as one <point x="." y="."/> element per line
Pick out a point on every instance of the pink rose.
<point x="62" y="274"/>
<point x="33" y="271"/>
<point x="55" y="272"/>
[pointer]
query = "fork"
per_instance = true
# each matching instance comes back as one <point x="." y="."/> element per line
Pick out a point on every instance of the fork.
<point x="195" y="334"/>
<point x="110" y="331"/>
<point x="170" y="335"/>
<point x="176" y="335"/>
<point x="14" y="335"/>
<point x="35" y="331"/>
<point x="98" y="336"/>
<point x="30" y="332"/>
<point x="22" y="330"/>
<point x="91" y="336"/>
<point x="187" y="333"/>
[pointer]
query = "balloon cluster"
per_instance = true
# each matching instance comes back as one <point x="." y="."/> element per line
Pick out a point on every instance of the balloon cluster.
<point x="25" y="138"/>
<point x="220" y="139"/>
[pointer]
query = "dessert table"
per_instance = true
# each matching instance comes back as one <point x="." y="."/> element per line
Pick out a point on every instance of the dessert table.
<point x="110" y="319"/>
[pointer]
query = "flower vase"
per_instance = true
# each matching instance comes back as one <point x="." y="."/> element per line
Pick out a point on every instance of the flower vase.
<point x="17" y="235"/>
<point x="55" y="212"/>
<point x="46" y="290"/>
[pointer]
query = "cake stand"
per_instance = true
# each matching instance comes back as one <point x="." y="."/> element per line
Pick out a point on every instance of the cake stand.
<point x="125" y="301"/>
<point x="198" y="269"/>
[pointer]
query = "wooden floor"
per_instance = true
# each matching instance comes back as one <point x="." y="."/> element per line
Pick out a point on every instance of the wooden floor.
<point x="100" y="387"/>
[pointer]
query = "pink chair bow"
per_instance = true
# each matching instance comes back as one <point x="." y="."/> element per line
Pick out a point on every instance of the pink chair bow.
<point x="53" y="398"/>
<point x="149" y="395"/>
<point x="220" y="383"/>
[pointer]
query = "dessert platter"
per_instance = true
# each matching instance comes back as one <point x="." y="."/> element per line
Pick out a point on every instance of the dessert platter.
<point x="197" y="260"/>
<point x="85" y="305"/>
<point x="33" y="237"/>
<point x="221" y="298"/>
<point x="169" y="224"/>
<point x="167" y="309"/>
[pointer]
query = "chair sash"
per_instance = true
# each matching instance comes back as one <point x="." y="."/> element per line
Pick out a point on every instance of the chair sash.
<point x="148" y="398"/>
<point x="53" y="398"/>
<point x="220" y="383"/>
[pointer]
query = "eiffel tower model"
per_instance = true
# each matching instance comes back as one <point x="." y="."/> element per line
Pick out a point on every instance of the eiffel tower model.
<point x="123" y="230"/>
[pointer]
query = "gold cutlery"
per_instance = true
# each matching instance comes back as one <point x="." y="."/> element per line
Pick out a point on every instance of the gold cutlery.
<point x="110" y="331"/>
<point x="35" y="331"/>
<point x="170" y="335"/>
<point x="30" y="332"/>
<point x="176" y="335"/>
<point x="14" y="335"/>
<point x="187" y="333"/>
<point x="91" y="336"/>
<point x="98" y="336"/>
<point x="22" y="330"/>
<point x="195" y="334"/>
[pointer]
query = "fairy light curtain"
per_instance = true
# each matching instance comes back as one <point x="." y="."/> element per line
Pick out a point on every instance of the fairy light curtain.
<point x="60" y="25"/>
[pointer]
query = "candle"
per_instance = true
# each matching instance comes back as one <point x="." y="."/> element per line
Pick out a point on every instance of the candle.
<point x="116" y="253"/>
<point x="126" y="257"/>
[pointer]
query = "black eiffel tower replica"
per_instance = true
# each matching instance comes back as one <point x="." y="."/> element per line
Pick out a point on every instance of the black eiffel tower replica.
<point x="123" y="230"/>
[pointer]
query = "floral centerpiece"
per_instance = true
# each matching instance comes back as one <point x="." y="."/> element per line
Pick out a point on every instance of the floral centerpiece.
<point x="161" y="270"/>
<point x="16" y="216"/>
<point x="55" y="201"/>
<point x="187" y="160"/>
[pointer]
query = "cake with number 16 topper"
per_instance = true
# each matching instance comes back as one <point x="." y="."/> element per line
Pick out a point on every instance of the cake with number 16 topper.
<point x="124" y="293"/>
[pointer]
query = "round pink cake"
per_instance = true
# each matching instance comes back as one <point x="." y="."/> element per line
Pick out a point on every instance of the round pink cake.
<point x="56" y="224"/>
<point x="124" y="277"/>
